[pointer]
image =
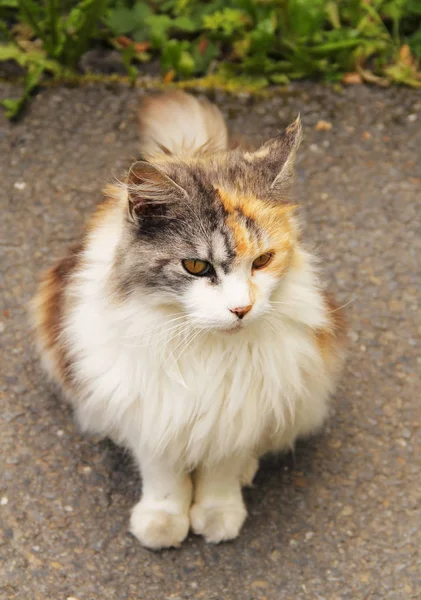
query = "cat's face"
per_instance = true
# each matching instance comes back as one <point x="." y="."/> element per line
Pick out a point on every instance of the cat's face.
<point x="213" y="237"/>
<point x="241" y="265"/>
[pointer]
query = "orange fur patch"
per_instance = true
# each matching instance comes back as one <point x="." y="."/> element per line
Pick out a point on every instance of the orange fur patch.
<point x="331" y="340"/>
<point x="274" y="223"/>
<point x="49" y="310"/>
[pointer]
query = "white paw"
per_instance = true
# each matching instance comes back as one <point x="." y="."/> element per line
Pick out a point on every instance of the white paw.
<point x="217" y="522"/>
<point x="157" y="529"/>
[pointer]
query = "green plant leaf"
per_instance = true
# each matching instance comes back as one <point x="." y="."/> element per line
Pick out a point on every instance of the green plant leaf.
<point x="185" y="24"/>
<point x="305" y="17"/>
<point x="332" y="12"/>
<point x="228" y="21"/>
<point x="121" y="21"/>
<point x="279" y="78"/>
<point x="158" y="27"/>
<point x="186" y="64"/>
<point x="204" y="52"/>
<point x="14" y="107"/>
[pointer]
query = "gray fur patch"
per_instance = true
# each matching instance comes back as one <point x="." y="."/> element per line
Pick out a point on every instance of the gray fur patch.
<point x="177" y="213"/>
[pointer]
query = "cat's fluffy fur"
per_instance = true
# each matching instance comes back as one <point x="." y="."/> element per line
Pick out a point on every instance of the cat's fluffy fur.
<point x="154" y="357"/>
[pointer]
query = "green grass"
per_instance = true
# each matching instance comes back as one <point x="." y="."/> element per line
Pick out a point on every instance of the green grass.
<point x="252" y="43"/>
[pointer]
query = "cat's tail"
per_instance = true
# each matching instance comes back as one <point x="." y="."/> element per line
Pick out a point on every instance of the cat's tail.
<point x="179" y="124"/>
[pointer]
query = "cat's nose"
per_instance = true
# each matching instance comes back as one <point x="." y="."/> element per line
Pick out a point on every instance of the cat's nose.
<point x="241" y="311"/>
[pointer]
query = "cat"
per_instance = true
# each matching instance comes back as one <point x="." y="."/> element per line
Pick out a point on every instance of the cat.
<point x="190" y="325"/>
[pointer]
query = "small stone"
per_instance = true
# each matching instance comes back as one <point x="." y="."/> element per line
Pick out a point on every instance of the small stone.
<point x="412" y="118"/>
<point x="19" y="185"/>
<point x="4" y="500"/>
<point x="353" y="336"/>
<point x="308" y="535"/>
<point x="375" y="280"/>
<point x="323" y="126"/>
<point x="68" y="508"/>
<point x="347" y="511"/>
<point x="335" y="443"/>
<point x="396" y="305"/>
<point x="300" y="482"/>
<point x="259" y="583"/>
<point x="60" y="433"/>
<point x="2" y="326"/>
<point x="275" y="556"/>
<point x="56" y="565"/>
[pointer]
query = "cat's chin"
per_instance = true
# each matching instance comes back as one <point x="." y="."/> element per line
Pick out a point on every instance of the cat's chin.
<point x="231" y="330"/>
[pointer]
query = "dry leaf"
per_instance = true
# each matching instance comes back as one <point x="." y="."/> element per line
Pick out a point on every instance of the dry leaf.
<point x="169" y="76"/>
<point x="323" y="126"/>
<point x="123" y="41"/>
<point x="142" y="46"/>
<point x="352" y="79"/>
<point x="203" y="44"/>
<point x="405" y="56"/>
<point x="369" y="77"/>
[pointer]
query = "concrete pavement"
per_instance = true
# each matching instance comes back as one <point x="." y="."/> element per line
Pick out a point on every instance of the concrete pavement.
<point x="341" y="519"/>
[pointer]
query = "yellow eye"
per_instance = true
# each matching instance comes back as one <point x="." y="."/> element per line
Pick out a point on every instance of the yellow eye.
<point x="194" y="266"/>
<point x="263" y="260"/>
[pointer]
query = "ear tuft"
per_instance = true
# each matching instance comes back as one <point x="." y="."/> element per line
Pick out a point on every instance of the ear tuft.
<point x="148" y="185"/>
<point x="289" y="141"/>
<point x="275" y="159"/>
<point x="294" y="131"/>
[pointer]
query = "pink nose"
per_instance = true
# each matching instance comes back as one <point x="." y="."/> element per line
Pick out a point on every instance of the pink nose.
<point x="241" y="311"/>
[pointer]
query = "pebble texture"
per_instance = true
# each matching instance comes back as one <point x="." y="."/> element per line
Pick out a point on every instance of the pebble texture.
<point x="339" y="520"/>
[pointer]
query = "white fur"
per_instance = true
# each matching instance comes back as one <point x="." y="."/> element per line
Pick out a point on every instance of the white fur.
<point x="166" y="382"/>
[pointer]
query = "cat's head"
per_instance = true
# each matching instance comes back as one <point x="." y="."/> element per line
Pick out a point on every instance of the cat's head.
<point x="213" y="235"/>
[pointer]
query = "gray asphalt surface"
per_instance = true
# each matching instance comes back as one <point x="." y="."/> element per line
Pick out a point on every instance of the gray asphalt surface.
<point x="341" y="519"/>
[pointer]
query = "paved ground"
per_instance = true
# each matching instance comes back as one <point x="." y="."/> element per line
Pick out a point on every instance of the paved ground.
<point x="342" y="520"/>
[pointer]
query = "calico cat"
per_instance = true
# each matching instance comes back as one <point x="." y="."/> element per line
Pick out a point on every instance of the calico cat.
<point x="190" y="325"/>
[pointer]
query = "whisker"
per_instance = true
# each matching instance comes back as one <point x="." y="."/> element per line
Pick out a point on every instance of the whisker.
<point x="172" y="355"/>
<point x="340" y="307"/>
<point x="189" y="343"/>
<point x="158" y="325"/>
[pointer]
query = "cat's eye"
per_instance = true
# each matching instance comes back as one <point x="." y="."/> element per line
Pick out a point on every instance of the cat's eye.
<point x="263" y="260"/>
<point x="194" y="266"/>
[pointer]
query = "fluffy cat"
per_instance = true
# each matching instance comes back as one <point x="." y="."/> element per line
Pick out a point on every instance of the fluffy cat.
<point x="190" y="325"/>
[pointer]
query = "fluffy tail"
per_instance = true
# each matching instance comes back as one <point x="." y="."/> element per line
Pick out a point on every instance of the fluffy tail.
<point x="180" y="124"/>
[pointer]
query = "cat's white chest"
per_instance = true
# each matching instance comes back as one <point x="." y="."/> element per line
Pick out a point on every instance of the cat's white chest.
<point x="216" y="395"/>
<point x="224" y="394"/>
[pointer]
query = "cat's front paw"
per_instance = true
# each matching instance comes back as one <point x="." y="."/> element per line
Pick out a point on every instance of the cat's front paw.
<point x="217" y="522"/>
<point x="158" y="528"/>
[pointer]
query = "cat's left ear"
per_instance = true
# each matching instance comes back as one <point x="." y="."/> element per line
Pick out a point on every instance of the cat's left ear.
<point x="275" y="160"/>
<point x="149" y="187"/>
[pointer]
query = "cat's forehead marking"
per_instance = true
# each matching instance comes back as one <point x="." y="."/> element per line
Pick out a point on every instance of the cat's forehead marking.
<point x="258" y="227"/>
<point x="243" y="225"/>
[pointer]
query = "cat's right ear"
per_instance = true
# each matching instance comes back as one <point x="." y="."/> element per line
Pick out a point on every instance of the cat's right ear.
<point x="148" y="186"/>
<point x="274" y="161"/>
